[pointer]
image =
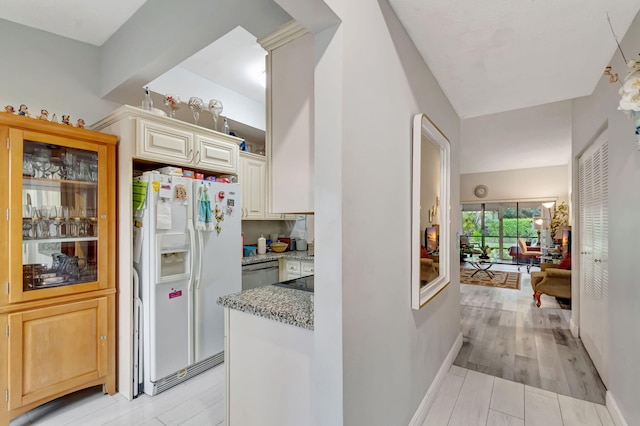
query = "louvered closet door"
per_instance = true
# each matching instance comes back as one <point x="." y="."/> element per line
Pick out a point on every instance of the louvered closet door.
<point x="593" y="173"/>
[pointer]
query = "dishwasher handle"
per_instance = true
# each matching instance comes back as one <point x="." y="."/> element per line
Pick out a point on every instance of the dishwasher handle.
<point x="260" y="266"/>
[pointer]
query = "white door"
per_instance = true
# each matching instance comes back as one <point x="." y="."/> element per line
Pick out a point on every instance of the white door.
<point x="593" y="176"/>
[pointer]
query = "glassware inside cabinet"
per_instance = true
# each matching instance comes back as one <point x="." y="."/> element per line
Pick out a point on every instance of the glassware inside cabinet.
<point x="59" y="216"/>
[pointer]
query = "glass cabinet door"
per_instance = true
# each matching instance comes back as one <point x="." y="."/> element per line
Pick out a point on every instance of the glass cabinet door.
<point x="60" y="211"/>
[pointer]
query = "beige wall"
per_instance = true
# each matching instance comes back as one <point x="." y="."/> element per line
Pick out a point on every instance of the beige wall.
<point x="542" y="183"/>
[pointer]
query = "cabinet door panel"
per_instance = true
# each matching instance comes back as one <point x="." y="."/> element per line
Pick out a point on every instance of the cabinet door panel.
<point x="253" y="188"/>
<point x="214" y="155"/>
<point x="56" y="348"/>
<point x="306" y="267"/>
<point x="164" y="144"/>
<point x="61" y="224"/>
<point x="293" y="266"/>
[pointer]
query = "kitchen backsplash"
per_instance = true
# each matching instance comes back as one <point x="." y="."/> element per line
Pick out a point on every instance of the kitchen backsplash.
<point x="254" y="228"/>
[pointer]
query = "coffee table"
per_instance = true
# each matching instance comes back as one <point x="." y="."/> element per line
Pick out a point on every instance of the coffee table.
<point x="482" y="265"/>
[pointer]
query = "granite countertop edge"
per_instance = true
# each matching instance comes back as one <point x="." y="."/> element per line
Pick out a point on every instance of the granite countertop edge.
<point x="286" y="305"/>
<point x="260" y="258"/>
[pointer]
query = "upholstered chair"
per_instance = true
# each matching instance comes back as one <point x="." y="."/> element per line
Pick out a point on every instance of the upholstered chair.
<point x="552" y="281"/>
<point x="429" y="270"/>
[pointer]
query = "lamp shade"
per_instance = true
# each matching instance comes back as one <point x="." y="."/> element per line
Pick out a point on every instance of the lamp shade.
<point x="538" y="223"/>
<point x="549" y="204"/>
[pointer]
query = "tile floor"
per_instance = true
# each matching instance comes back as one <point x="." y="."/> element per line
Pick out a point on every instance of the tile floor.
<point x="470" y="398"/>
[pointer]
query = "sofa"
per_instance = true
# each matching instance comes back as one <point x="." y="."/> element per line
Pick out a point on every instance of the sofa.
<point x="552" y="281"/>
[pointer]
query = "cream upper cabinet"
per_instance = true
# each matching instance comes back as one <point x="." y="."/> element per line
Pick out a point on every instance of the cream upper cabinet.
<point x="163" y="143"/>
<point x="290" y="127"/>
<point x="252" y="180"/>
<point x="173" y="142"/>
<point x="252" y="176"/>
<point x="212" y="153"/>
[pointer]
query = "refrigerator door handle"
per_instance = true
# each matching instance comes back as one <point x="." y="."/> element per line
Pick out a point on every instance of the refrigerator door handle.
<point x="194" y="260"/>
<point x="198" y="275"/>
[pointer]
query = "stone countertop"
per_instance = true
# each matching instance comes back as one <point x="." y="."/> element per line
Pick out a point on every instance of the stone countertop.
<point x="290" y="306"/>
<point x="260" y="258"/>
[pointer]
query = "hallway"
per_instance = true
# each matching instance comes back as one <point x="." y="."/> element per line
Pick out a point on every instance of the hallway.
<point x="507" y="336"/>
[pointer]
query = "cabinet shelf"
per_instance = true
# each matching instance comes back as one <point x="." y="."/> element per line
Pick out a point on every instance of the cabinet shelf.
<point x="59" y="240"/>
<point x="46" y="183"/>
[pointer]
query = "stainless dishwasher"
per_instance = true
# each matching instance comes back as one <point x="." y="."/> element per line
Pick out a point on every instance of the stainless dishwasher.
<point x="259" y="274"/>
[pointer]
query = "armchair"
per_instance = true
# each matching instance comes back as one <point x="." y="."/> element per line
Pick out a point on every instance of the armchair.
<point x="552" y="281"/>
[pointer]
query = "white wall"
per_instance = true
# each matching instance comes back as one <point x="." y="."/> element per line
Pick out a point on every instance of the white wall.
<point x="522" y="184"/>
<point x="375" y="357"/>
<point x="508" y="140"/>
<point x="591" y="115"/>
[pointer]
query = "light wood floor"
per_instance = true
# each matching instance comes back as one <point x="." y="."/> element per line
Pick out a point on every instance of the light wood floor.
<point x="507" y="336"/>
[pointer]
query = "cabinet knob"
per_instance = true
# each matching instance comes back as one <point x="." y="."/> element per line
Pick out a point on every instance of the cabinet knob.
<point x="104" y="216"/>
<point x="103" y="337"/>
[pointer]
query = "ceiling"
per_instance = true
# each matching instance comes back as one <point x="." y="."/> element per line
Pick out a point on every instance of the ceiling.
<point x="499" y="62"/>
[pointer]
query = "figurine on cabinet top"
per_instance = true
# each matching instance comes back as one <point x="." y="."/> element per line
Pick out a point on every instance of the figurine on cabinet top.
<point x="80" y="123"/>
<point x="23" y="110"/>
<point x="65" y="120"/>
<point x="44" y="115"/>
<point x="9" y="109"/>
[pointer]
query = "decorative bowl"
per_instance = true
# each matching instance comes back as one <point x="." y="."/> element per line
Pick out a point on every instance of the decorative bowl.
<point x="279" y="247"/>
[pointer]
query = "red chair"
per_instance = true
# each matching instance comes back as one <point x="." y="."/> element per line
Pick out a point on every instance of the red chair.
<point x="530" y="254"/>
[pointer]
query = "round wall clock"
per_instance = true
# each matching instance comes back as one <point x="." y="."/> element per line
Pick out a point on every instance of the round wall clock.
<point x="481" y="191"/>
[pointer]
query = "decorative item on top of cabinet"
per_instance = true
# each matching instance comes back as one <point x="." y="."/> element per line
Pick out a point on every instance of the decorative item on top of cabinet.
<point x="59" y="305"/>
<point x="290" y="100"/>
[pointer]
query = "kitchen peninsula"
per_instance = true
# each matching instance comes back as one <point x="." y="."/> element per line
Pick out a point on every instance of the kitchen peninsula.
<point x="268" y="354"/>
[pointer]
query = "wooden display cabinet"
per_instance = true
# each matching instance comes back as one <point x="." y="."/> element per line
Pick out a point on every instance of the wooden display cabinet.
<point x="57" y="268"/>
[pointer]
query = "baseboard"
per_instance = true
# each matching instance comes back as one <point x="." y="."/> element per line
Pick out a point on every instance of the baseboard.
<point x="426" y="403"/>
<point x="614" y="411"/>
<point x="575" y="328"/>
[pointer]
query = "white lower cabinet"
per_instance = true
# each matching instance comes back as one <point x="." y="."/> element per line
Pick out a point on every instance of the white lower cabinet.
<point x="269" y="371"/>
<point x="306" y="268"/>
<point x="291" y="269"/>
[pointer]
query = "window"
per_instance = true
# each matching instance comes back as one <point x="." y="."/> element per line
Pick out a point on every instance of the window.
<point x="499" y="225"/>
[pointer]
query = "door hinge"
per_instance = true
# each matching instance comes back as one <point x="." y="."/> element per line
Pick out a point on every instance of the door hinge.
<point x="8" y="144"/>
<point x="7" y="213"/>
<point x="7" y="330"/>
<point x="8" y="287"/>
<point x="6" y="394"/>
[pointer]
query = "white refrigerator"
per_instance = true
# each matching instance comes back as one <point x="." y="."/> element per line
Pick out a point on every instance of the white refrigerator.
<point x="187" y="253"/>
